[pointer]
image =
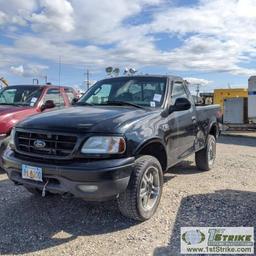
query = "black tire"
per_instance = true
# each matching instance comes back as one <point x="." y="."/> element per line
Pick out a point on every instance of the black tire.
<point x="205" y="158"/>
<point x="3" y="146"/>
<point x="130" y="201"/>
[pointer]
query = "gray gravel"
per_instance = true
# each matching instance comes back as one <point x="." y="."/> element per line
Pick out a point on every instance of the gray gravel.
<point x="224" y="196"/>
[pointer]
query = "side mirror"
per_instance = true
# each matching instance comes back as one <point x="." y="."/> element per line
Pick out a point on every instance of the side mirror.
<point x="181" y="104"/>
<point x="47" y="105"/>
<point x="74" y="101"/>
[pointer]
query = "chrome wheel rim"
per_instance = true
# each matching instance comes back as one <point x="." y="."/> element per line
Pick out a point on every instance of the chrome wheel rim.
<point x="211" y="152"/>
<point x="149" y="188"/>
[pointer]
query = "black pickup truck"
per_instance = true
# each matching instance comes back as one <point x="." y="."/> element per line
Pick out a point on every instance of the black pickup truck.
<point x="115" y="142"/>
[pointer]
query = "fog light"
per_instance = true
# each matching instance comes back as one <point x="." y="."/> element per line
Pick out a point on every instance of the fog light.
<point x="88" y="188"/>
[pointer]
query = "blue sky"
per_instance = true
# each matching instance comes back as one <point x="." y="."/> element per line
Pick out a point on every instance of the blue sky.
<point x="211" y="42"/>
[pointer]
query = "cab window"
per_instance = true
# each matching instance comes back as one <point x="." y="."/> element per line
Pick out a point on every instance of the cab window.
<point x="70" y="94"/>
<point x="56" y="96"/>
<point x="178" y="91"/>
<point x="100" y="95"/>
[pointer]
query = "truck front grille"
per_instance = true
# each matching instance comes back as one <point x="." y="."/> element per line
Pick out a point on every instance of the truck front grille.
<point x="45" y="144"/>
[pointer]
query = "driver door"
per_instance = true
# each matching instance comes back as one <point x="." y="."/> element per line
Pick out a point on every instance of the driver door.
<point x="182" y="127"/>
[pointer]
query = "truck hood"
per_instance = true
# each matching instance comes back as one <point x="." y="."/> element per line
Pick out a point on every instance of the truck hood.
<point x="8" y="109"/>
<point x="84" y="119"/>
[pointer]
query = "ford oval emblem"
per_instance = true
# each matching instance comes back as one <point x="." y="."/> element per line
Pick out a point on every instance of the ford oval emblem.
<point x="39" y="144"/>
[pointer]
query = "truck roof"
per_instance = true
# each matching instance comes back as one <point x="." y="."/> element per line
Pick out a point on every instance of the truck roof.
<point x="171" y="77"/>
<point x="39" y="85"/>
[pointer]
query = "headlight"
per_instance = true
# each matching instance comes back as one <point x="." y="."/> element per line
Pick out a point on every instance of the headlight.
<point x="12" y="138"/>
<point x="104" y="145"/>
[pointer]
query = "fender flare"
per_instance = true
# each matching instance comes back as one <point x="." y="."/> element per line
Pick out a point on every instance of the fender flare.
<point x="147" y="142"/>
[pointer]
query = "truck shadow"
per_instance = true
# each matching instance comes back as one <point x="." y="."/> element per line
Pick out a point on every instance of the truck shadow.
<point x="29" y="223"/>
<point x="184" y="167"/>
<point x="223" y="208"/>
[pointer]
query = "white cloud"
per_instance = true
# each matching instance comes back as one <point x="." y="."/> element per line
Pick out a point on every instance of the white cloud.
<point x="29" y="70"/>
<point x="3" y="17"/>
<point x="19" y="70"/>
<point x="16" y="12"/>
<point x="196" y="81"/>
<point x="223" y="33"/>
<point x="55" y="15"/>
<point x="215" y="35"/>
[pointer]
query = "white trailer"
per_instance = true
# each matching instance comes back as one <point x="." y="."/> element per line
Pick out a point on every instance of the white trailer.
<point x="252" y="99"/>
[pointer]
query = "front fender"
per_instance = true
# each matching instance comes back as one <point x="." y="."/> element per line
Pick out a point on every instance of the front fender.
<point x="146" y="143"/>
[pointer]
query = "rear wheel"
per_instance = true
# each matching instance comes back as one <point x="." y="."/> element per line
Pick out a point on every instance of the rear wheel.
<point x="205" y="158"/>
<point x="143" y="194"/>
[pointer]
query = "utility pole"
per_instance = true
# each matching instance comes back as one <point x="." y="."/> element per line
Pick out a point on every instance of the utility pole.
<point x="87" y="79"/>
<point x="35" y="81"/>
<point x="197" y="91"/>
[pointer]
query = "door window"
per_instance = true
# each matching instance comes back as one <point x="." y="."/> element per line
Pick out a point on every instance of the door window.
<point x="101" y="94"/>
<point x="56" y="96"/>
<point x="178" y="91"/>
<point x="70" y="94"/>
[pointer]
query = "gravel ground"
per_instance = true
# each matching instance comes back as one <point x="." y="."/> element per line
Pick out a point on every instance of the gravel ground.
<point x="224" y="196"/>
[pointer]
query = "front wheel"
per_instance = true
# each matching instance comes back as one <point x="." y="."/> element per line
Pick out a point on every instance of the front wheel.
<point x="205" y="158"/>
<point x="142" y="196"/>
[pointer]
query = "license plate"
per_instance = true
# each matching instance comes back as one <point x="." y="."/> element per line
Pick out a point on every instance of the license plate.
<point x="32" y="173"/>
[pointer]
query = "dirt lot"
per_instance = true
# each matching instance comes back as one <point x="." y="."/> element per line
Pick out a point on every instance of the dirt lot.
<point x="225" y="196"/>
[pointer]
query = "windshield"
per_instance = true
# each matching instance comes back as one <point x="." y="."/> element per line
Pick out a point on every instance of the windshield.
<point x="20" y="95"/>
<point x="140" y="91"/>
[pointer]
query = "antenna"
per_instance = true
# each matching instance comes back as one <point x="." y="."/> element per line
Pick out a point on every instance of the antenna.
<point x="59" y="69"/>
<point x="59" y="78"/>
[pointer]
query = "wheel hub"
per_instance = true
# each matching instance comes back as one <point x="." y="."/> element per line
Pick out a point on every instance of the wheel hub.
<point x="149" y="189"/>
<point x="211" y="153"/>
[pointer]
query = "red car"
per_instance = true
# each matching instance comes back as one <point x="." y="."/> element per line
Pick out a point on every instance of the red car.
<point x="20" y="101"/>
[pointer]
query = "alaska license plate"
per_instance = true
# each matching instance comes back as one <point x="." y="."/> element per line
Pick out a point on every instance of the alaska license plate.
<point x="32" y="173"/>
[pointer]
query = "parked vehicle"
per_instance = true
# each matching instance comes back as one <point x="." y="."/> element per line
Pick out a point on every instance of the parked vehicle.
<point x="20" y="101"/>
<point x="116" y="141"/>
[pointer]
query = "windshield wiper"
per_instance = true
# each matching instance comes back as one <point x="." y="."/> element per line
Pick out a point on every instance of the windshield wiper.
<point x="121" y="103"/>
<point x="7" y="104"/>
